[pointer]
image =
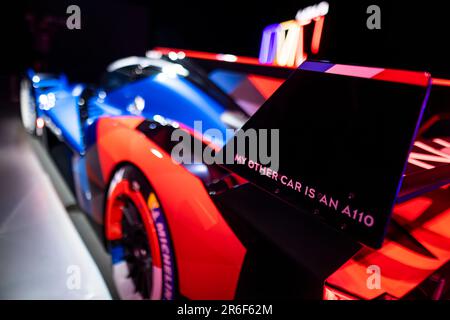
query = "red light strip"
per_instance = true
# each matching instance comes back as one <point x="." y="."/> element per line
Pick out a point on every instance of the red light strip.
<point x="441" y="82"/>
<point x="402" y="76"/>
<point x="388" y="74"/>
<point x="317" y="34"/>
<point x="208" y="55"/>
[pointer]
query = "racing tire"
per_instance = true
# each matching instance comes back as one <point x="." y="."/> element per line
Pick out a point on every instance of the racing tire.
<point x="143" y="260"/>
<point x="28" y="106"/>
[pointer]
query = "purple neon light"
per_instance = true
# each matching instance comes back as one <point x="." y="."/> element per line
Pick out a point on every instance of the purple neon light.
<point x="316" y="66"/>
<point x="268" y="46"/>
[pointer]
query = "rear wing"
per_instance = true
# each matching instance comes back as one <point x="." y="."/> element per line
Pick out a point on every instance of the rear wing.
<point x="377" y="121"/>
<point x="345" y="133"/>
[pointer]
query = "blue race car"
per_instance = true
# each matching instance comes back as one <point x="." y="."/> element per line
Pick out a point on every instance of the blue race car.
<point x="135" y="94"/>
<point x="137" y="86"/>
<point x="210" y="231"/>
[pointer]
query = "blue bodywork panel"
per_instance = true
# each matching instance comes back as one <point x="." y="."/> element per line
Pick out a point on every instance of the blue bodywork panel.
<point x="56" y="102"/>
<point x="174" y="98"/>
<point x="177" y="99"/>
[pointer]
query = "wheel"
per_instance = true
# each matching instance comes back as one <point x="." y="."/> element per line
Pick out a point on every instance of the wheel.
<point x="139" y="239"/>
<point x="27" y="106"/>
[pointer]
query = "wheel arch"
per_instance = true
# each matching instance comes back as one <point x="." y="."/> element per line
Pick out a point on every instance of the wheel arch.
<point x="209" y="256"/>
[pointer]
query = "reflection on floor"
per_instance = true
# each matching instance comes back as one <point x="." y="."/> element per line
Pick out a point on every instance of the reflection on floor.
<point x="42" y="256"/>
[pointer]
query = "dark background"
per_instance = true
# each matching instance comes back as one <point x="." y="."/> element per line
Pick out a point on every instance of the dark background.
<point x="414" y="35"/>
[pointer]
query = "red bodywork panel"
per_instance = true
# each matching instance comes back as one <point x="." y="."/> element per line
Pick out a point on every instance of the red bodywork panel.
<point x="208" y="254"/>
<point x="426" y="218"/>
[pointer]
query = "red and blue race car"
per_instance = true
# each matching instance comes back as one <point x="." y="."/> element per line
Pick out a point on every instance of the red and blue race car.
<point x="343" y="206"/>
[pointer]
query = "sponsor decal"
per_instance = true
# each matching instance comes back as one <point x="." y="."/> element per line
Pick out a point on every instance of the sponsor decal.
<point x="166" y="250"/>
<point x="309" y="192"/>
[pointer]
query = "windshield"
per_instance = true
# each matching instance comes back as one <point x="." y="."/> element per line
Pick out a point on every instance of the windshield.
<point x="145" y="67"/>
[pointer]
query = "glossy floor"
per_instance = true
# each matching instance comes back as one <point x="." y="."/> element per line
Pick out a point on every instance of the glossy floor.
<point x="42" y="255"/>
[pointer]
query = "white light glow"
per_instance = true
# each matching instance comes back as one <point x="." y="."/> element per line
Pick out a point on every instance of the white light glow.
<point x="40" y="123"/>
<point x="142" y="62"/>
<point x="77" y="90"/>
<point x="47" y="101"/>
<point x="160" y="119"/>
<point x="156" y="153"/>
<point x="102" y="95"/>
<point x="139" y="102"/>
<point x="153" y="54"/>
<point x="227" y="57"/>
<point x="309" y="13"/>
<point x="173" y="70"/>
<point x="173" y="55"/>
<point x="43" y="99"/>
